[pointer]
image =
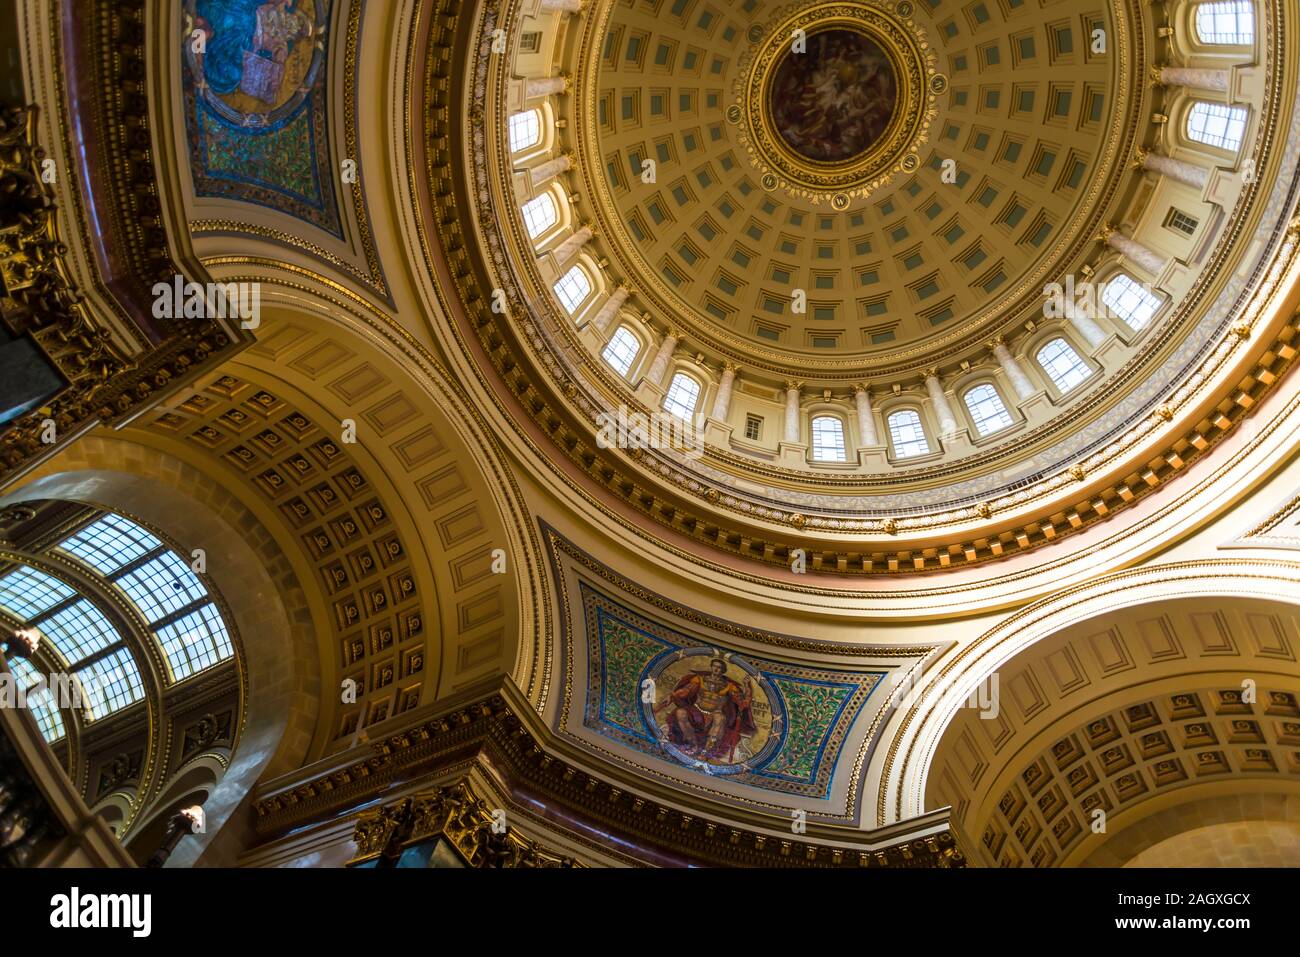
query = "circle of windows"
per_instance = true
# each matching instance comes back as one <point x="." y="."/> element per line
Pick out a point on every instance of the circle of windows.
<point x="1218" y="125"/>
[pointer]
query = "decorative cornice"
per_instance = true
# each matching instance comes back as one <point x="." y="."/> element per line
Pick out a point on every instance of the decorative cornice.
<point x="456" y="814"/>
<point x="110" y="378"/>
<point x="498" y="730"/>
<point x="39" y="299"/>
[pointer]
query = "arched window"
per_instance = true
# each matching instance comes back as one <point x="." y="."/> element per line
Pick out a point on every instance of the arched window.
<point x="1063" y="365"/>
<point x="1218" y="125"/>
<point x="85" y="644"/>
<point x="539" y="215"/>
<point x="573" y="288"/>
<point x="1126" y="298"/>
<point x="828" y="439"/>
<point x="622" y="349"/>
<point x="907" y="434"/>
<point x="987" y="410"/>
<point x="169" y="596"/>
<point x="1231" y="24"/>
<point x="35" y="691"/>
<point x="525" y="130"/>
<point x="683" y="395"/>
<point x="85" y="640"/>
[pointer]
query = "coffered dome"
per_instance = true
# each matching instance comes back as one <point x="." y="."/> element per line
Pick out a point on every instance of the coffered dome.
<point x="980" y="194"/>
<point x="906" y="273"/>
<point x="820" y="433"/>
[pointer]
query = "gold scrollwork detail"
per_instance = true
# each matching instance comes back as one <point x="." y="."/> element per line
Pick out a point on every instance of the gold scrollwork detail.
<point x="456" y="815"/>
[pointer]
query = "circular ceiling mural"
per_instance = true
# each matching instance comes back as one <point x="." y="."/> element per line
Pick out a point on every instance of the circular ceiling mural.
<point x="832" y="99"/>
<point x="713" y="711"/>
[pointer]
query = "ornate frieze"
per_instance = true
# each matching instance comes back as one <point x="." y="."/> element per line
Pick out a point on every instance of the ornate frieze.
<point x="111" y="375"/>
<point x="456" y="815"/>
<point x="498" y="730"/>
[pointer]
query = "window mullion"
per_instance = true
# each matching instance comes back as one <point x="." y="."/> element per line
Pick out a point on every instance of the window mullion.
<point x="104" y="652"/>
<point x="180" y="613"/>
<point x="55" y="609"/>
<point x="131" y="566"/>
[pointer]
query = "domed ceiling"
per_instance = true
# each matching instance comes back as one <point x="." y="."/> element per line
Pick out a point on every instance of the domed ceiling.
<point x="855" y="213"/>
<point x="778" y="171"/>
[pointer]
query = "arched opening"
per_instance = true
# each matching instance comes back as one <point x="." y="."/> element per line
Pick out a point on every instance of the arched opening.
<point x="621" y="350"/>
<point x="828" y="439"/>
<point x="683" y="396"/>
<point x="906" y="434"/>
<point x="265" y="605"/>
<point x="1122" y="717"/>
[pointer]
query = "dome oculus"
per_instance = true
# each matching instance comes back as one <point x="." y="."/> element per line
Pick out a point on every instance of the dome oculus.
<point x="834" y="98"/>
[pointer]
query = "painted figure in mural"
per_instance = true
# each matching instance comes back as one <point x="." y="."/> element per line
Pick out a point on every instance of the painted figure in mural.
<point x="833" y="101"/>
<point x="709" y="714"/>
<point x="248" y="43"/>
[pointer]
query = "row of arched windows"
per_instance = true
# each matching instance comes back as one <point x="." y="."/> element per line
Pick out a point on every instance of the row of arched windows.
<point x="1230" y="23"/>
<point x="1214" y="124"/>
<point x="908" y="437"/>
<point x="1123" y="296"/>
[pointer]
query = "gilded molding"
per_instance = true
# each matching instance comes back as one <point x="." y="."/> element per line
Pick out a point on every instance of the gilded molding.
<point x="106" y="384"/>
<point x="915" y="66"/>
<point x="373" y="277"/>
<point x="767" y="545"/>
<point x="456" y="814"/>
<point x="495" y="725"/>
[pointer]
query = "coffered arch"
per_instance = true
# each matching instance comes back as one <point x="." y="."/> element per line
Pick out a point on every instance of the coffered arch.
<point x="430" y="451"/>
<point x="1209" y="833"/>
<point x="1120" y="716"/>
<point x="410" y="604"/>
<point x="920" y="729"/>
